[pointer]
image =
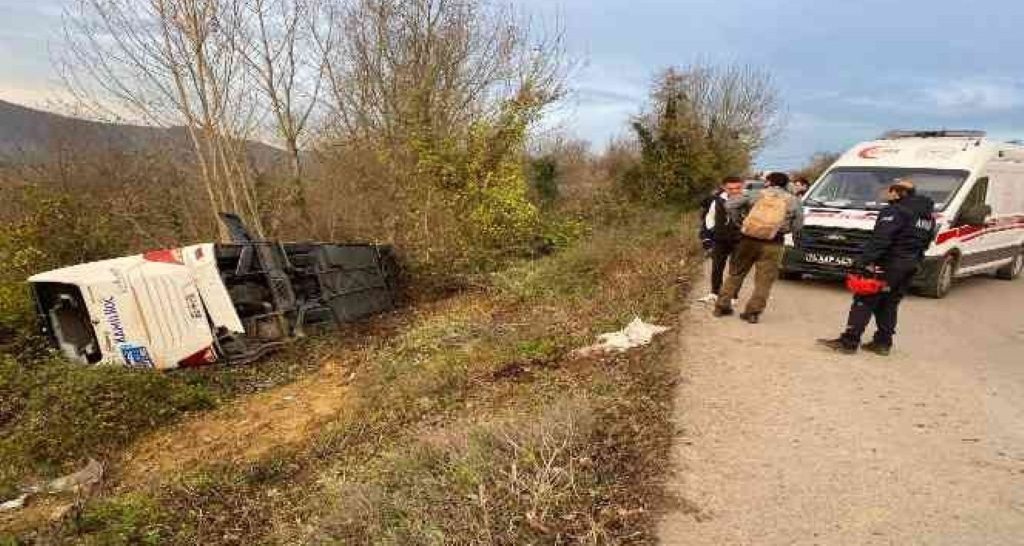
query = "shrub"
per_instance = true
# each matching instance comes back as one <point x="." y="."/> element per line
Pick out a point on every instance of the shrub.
<point x="54" y="414"/>
<point x="54" y="229"/>
<point x="121" y="520"/>
<point x="544" y="178"/>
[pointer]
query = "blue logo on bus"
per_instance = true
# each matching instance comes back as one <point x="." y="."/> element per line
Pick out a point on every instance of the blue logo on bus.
<point x="135" y="356"/>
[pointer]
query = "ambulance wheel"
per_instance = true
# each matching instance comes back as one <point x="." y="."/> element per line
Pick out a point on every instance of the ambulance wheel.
<point x="790" y="275"/>
<point x="1013" y="269"/>
<point x="940" y="280"/>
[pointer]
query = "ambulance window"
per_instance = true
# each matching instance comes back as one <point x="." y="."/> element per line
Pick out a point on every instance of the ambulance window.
<point x="1006" y="189"/>
<point x="977" y="195"/>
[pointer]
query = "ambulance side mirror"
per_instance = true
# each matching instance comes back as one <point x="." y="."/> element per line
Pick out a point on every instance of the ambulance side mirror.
<point x="974" y="216"/>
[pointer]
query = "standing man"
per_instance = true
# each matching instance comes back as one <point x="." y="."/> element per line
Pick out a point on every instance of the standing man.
<point x="719" y="232"/>
<point x="765" y="220"/>
<point x="903" y="231"/>
<point x="800" y="186"/>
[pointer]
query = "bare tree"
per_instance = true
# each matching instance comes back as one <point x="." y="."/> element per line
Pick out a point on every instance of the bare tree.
<point x="734" y="101"/>
<point x="285" y="44"/>
<point x="704" y="122"/>
<point x="173" y="63"/>
<point x="437" y="64"/>
<point x="410" y="82"/>
<point x="437" y="94"/>
<point x="816" y="165"/>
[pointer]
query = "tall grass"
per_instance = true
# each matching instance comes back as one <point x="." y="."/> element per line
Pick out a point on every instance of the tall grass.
<point x="472" y="424"/>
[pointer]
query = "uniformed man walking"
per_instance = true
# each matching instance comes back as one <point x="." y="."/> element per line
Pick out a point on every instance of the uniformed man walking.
<point x="902" y="233"/>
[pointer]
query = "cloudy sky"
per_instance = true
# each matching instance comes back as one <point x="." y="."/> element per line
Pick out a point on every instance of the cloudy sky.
<point x="847" y="70"/>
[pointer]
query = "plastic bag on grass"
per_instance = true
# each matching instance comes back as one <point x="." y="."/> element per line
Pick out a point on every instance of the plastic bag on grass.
<point x="636" y="334"/>
<point x="83" y="479"/>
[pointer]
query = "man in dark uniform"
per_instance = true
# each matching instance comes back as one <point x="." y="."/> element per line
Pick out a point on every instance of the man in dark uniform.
<point x="719" y="233"/>
<point x="902" y="233"/>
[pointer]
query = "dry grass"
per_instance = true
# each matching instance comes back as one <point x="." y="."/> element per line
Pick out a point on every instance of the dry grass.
<point x="471" y="425"/>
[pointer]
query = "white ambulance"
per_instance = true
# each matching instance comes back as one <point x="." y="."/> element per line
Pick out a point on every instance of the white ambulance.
<point x="978" y="187"/>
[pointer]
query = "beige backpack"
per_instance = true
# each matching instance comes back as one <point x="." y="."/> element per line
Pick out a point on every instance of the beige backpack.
<point x="766" y="216"/>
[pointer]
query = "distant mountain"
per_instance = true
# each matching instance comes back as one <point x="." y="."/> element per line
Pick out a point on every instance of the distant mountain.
<point x="27" y="134"/>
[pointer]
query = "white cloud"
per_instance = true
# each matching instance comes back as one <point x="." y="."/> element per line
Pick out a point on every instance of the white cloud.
<point x="977" y="95"/>
<point x="945" y="98"/>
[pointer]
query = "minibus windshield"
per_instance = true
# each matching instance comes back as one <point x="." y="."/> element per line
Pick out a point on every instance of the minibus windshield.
<point x="865" y="187"/>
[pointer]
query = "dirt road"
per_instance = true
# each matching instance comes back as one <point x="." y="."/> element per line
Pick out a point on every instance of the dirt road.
<point x="783" y="442"/>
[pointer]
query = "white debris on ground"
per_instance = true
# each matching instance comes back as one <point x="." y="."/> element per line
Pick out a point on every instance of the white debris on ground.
<point x="91" y="474"/>
<point x="14" y="504"/>
<point x="637" y="334"/>
<point x="88" y="476"/>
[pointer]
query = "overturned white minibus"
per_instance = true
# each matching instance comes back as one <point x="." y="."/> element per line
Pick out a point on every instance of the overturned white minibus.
<point x="209" y="302"/>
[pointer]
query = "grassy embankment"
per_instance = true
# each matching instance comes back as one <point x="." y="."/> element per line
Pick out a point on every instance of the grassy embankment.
<point x="468" y="420"/>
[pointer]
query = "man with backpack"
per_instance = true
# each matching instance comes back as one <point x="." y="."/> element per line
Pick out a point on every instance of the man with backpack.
<point x="903" y="231"/>
<point x="719" y="233"/>
<point x="765" y="219"/>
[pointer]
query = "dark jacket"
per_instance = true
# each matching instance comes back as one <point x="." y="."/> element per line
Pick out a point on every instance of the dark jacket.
<point x="716" y="224"/>
<point x="903" y="231"/>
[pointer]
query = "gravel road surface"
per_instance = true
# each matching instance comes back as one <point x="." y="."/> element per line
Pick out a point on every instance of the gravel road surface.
<point x="783" y="442"/>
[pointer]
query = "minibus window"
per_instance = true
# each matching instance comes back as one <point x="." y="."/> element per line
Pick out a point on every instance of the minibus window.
<point x="65" y="319"/>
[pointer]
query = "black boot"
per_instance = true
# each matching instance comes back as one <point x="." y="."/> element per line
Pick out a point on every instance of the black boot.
<point x="877" y="348"/>
<point x="721" y="311"/>
<point x="839" y="345"/>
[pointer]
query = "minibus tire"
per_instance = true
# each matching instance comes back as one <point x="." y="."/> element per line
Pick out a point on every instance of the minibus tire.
<point x="1013" y="269"/>
<point x="940" y="280"/>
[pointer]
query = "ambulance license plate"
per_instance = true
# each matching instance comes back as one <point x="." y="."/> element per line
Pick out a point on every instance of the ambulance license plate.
<point x="828" y="259"/>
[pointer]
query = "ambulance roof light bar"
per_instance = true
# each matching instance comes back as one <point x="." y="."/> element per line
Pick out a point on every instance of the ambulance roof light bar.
<point x="940" y="133"/>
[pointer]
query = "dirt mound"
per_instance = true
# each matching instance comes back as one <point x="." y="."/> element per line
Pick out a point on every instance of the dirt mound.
<point x="243" y="430"/>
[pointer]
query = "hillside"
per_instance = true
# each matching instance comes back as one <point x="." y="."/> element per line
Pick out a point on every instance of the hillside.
<point x="27" y="134"/>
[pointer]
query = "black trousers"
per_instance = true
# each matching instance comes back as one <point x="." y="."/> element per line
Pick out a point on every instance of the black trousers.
<point x="720" y="253"/>
<point x="884" y="306"/>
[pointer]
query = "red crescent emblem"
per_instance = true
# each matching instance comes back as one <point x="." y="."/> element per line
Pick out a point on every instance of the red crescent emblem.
<point x="869" y="152"/>
<point x="874" y="152"/>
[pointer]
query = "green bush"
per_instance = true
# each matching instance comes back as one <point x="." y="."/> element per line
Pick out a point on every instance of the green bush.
<point x="544" y="178"/>
<point x="54" y="229"/>
<point x="54" y="414"/>
<point x="125" y="520"/>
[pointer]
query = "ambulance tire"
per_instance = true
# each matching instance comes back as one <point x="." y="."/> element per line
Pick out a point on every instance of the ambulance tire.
<point x="940" y="279"/>
<point x="1013" y="269"/>
<point x="790" y="275"/>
